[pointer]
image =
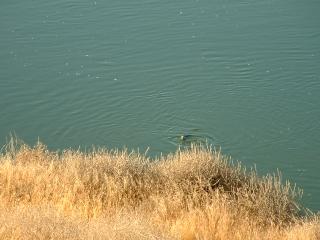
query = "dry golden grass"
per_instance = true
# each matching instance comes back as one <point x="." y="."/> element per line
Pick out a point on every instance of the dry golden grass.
<point x="196" y="193"/>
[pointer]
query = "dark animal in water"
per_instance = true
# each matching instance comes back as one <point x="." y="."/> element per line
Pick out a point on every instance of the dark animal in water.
<point x="185" y="137"/>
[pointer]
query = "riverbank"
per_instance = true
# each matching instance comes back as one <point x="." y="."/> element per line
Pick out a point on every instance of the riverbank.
<point x="112" y="194"/>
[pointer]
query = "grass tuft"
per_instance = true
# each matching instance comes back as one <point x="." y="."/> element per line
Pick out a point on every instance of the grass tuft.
<point x="195" y="193"/>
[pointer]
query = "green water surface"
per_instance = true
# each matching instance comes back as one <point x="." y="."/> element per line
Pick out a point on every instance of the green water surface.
<point x="243" y="74"/>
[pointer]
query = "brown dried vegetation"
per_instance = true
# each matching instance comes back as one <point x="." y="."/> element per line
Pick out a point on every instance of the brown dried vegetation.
<point x="196" y="193"/>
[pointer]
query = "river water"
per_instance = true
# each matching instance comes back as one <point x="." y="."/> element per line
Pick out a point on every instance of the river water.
<point x="242" y="75"/>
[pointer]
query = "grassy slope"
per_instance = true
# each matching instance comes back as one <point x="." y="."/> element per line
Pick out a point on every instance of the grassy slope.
<point x="192" y="194"/>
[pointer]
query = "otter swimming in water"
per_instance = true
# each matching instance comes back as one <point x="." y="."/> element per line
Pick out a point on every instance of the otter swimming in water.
<point x="185" y="137"/>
